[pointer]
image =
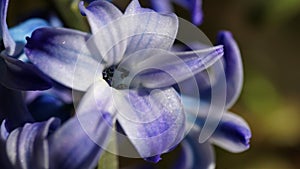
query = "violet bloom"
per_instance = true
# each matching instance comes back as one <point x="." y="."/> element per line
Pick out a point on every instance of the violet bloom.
<point x="14" y="73"/>
<point x="233" y="133"/>
<point x="63" y="54"/>
<point x="48" y="144"/>
<point x="194" y="7"/>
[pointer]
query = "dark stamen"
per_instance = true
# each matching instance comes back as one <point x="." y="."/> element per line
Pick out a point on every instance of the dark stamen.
<point x="108" y="74"/>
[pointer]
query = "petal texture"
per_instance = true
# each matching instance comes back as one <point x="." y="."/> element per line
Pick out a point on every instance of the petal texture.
<point x="72" y="148"/>
<point x="27" y="147"/>
<point x="148" y="29"/>
<point x="83" y="137"/>
<point x="153" y="120"/>
<point x="100" y="13"/>
<point x="143" y="30"/>
<point x="233" y="67"/>
<point x="232" y="134"/>
<point x="63" y="55"/>
<point x="158" y="69"/>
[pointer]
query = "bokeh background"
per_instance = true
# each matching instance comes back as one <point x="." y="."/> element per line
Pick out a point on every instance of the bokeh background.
<point x="268" y="33"/>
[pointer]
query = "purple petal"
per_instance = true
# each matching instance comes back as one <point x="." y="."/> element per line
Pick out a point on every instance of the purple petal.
<point x="195" y="8"/>
<point x="24" y="29"/>
<point x="18" y="75"/>
<point x="27" y="147"/>
<point x="195" y="155"/>
<point x="81" y="137"/>
<point x="71" y="147"/>
<point x="153" y="120"/>
<point x="9" y="43"/>
<point x="164" y="6"/>
<point x="162" y="69"/>
<point x="13" y="108"/>
<point x="98" y="98"/>
<point x="232" y="134"/>
<point x="146" y="31"/>
<point x="233" y="67"/>
<point x="63" y="55"/>
<point x="5" y="164"/>
<point x="100" y="13"/>
<point x="138" y="29"/>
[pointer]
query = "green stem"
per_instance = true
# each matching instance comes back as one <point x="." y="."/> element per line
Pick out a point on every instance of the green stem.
<point x="110" y="160"/>
<point x="68" y="10"/>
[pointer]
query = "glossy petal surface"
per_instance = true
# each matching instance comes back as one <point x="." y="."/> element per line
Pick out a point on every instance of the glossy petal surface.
<point x="153" y="120"/>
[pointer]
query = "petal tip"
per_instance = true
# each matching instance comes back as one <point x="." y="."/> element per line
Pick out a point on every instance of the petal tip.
<point x="153" y="159"/>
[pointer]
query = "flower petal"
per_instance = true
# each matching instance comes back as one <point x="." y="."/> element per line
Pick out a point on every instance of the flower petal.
<point x="72" y="148"/>
<point x="156" y="69"/>
<point x="142" y="31"/>
<point x="5" y="164"/>
<point x="109" y="39"/>
<point x="13" y="108"/>
<point x="146" y="31"/>
<point x="83" y="137"/>
<point x="99" y="13"/>
<point x="18" y="75"/>
<point x="233" y="66"/>
<point x="153" y="120"/>
<point x="195" y="155"/>
<point x="162" y="6"/>
<point x="63" y="55"/>
<point x="99" y="98"/>
<point x="195" y="8"/>
<point x="27" y="147"/>
<point x="24" y="29"/>
<point x="232" y="134"/>
<point x="9" y="43"/>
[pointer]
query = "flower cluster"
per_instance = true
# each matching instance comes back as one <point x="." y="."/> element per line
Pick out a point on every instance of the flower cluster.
<point x="130" y="80"/>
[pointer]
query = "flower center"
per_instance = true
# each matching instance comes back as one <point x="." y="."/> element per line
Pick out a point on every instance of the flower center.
<point x="108" y="74"/>
<point x="116" y="77"/>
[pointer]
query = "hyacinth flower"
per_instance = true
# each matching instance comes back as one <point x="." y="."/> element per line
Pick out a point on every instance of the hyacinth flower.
<point x="233" y="133"/>
<point x="49" y="144"/>
<point x="14" y="73"/>
<point x="194" y="7"/>
<point x="58" y="51"/>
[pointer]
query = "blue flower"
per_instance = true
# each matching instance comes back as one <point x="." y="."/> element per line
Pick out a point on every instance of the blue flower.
<point x="65" y="55"/>
<point x="48" y="144"/>
<point x="233" y="133"/>
<point x="14" y="73"/>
